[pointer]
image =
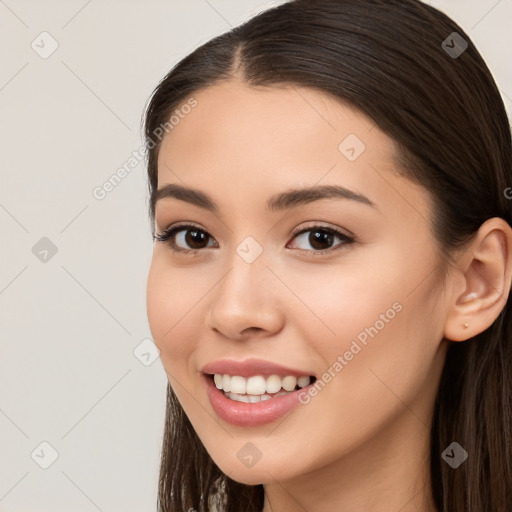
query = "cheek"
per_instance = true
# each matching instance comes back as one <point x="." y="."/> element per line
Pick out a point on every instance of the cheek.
<point x="368" y="329"/>
<point x="174" y="307"/>
<point x="173" y="301"/>
<point x="341" y="303"/>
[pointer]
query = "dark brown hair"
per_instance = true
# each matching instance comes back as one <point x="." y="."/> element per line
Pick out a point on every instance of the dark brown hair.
<point x="447" y="119"/>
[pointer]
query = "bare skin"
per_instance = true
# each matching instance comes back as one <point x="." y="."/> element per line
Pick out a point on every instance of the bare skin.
<point x="362" y="443"/>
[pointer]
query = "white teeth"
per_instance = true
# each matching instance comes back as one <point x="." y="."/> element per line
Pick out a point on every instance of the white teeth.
<point x="226" y="380"/>
<point x="217" y="378"/>
<point x="273" y="384"/>
<point x="255" y="385"/>
<point x="252" y="399"/>
<point x="258" y="385"/>
<point x="302" y="382"/>
<point x="238" y="385"/>
<point x="289" y="383"/>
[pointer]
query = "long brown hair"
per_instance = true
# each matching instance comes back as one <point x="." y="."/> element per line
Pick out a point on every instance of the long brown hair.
<point x="398" y="62"/>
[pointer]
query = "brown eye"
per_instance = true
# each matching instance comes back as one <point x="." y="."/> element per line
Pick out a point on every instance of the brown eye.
<point x="320" y="239"/>
<point x="186" y="238"/>
<point x="195" y="238"/>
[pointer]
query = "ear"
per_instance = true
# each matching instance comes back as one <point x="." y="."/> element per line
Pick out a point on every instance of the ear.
<point x="483" y="274"/>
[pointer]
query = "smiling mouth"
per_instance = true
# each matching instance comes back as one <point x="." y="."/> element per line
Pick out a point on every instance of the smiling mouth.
<point x="258" y="388"/>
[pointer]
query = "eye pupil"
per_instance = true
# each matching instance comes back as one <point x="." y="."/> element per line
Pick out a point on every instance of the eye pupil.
<point x="319" y="236"/>
<point x="195" y="238"/>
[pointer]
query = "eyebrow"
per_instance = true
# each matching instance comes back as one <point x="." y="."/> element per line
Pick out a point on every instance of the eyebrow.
<point x="278" y="202"/>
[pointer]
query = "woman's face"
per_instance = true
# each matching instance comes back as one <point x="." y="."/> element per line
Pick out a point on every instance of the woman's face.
<point x="271" y="283"/>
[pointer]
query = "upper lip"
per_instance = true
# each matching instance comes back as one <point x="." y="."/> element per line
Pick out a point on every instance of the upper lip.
<point x="250" y="367"/>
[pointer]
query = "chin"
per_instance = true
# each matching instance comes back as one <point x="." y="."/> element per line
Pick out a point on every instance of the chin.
<point x="260" y="473"/>
<point x="250" y="476"/>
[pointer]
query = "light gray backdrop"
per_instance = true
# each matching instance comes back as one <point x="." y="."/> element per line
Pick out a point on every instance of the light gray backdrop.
<point x="81" y="386"/>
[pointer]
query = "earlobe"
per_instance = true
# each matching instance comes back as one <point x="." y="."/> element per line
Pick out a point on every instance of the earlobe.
<point x="486" y="270"/>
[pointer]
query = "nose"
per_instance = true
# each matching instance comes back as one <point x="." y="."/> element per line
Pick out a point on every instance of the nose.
<point x="246" y="302"/>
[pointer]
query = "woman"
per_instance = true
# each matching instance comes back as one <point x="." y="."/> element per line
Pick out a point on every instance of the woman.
<point x="332" y="263"/>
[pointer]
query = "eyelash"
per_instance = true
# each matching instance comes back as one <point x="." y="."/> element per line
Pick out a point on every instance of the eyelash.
<point x="167" y="235"/>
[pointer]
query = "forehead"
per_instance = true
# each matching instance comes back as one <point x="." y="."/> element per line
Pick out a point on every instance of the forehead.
<point x="244" y="144"/>
<point x="234" y="121"/>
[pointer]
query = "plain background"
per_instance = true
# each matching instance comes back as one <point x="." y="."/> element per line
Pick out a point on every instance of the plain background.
<point x="69" y="325"/>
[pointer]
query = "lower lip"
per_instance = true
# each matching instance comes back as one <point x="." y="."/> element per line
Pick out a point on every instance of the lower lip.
<point x="250" y="415"/>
